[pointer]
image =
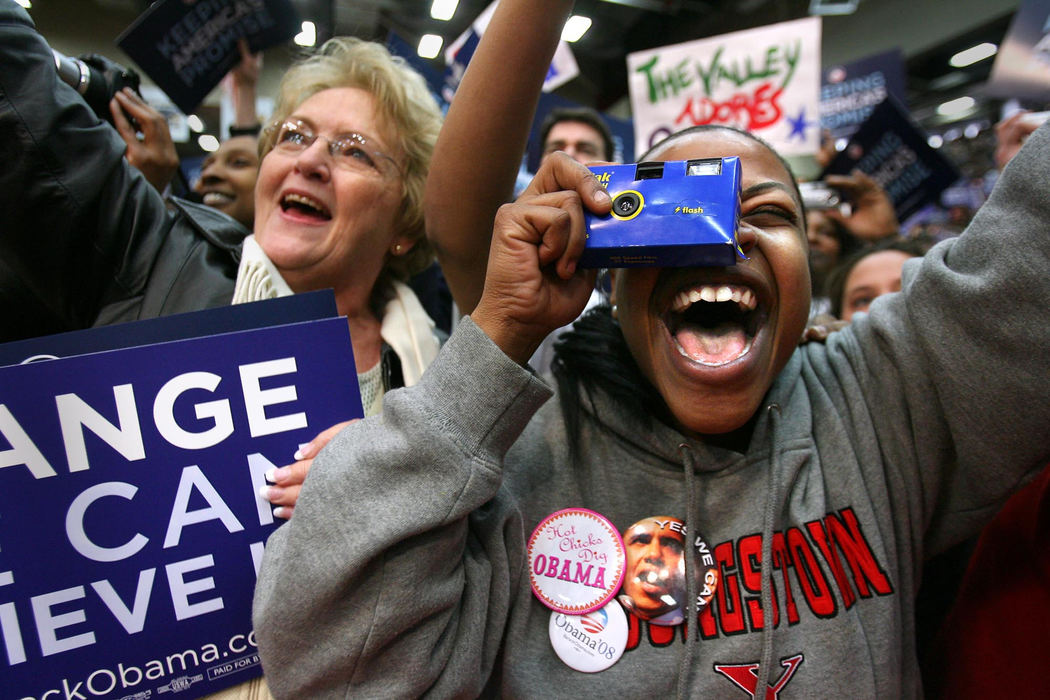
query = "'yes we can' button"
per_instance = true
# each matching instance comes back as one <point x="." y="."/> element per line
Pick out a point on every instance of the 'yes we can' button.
<point x="576" y="561"/>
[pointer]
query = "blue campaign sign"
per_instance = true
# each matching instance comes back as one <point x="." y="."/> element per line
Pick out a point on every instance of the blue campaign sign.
<point x="891" y="148"/>
<point x="850" y="92"/>
<point x="187" y="47"/>
<point x="130" y="529"/>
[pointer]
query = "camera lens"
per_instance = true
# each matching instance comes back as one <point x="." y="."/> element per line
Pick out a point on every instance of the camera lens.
<point x="626" y="204"/>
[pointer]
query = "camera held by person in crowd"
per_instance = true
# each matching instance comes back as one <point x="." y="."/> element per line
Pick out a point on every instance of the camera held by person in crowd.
<point x="820" y="196"/>
<point x="96" y="78"/>
<point x="666" y="214"/>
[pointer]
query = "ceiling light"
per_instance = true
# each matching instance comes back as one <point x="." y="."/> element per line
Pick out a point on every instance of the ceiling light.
<point x="956" y="106"/>
<point x="443" y="9"/>
<point x="973" y="55"/>
<point x="833" y="7"/>
<point x="308" y="36"/>
<point x="195" y="123"/>
<point x="935" y="141"/>
<point x="208" y="143"/>
<point x="575" y="27"/>
<point x="429" y="45"/>
<point x="949" y="80"/>
<point x="972" y="130"/>
<point x="25" y="3"/>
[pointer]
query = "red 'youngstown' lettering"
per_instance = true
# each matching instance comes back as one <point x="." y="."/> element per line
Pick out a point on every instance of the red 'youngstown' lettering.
<point x="825" y="556"/>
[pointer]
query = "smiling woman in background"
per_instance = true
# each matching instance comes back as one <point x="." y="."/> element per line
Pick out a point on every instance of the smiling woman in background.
<point x="338" y="205"/>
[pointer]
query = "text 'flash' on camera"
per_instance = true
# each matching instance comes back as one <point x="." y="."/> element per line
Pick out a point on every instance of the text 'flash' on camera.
<point x="680" y="213"/>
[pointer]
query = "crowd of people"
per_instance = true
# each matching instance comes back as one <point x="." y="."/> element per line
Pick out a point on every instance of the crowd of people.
<point x="857" y="403"/>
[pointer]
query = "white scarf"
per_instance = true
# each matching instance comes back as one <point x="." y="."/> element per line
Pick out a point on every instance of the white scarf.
<point x="257" y="278"/>
<point x="405" y="326"/>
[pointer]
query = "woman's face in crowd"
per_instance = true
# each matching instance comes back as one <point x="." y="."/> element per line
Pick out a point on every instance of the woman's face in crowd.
<point x="824" y="245"/>
<point x="227" y="179"/>
<point x="873" y="276"/>
<point x="711" y="361"/>
<point x="324" y="224"/>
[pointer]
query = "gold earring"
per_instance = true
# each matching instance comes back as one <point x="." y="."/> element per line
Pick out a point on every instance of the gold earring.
<point x="397" y="249"/>
<point x="615" y="311"/>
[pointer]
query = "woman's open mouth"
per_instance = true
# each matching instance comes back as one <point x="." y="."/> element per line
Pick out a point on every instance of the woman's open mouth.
<point x="714" y="324"/>
<point x="304" y="206"/>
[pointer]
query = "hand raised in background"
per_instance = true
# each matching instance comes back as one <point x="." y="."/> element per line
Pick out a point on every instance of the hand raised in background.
<point x="872" y="216"/>
<point x="154" y="154"/>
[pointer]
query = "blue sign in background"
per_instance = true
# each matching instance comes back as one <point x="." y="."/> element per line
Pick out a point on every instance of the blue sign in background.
<point x="129" y="548"/>
<point x="186" y="48"/>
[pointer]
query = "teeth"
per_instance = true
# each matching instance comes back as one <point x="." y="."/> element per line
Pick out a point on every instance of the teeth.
<point x="308" y="201"/>
<point x="215" y="199"/>
<point x="743" y="296"/>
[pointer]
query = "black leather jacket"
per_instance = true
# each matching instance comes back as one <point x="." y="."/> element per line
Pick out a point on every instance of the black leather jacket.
<point x="84" y="239"/>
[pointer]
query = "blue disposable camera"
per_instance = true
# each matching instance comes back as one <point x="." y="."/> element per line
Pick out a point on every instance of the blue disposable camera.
<point x="679" y="213"/>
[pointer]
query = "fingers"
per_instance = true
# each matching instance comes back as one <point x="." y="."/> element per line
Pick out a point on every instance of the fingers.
<point x="123" y="126"/>
<point x="1010" y="135"/>
<point x="821" y="327"/>
<point x="310" y="449"/>
<point x="560" y="172"/>
<point x="149" y="119"/>
<point x="854" y="185"/>
<point x="285" y="482"/>
<point x="559" y="218"/>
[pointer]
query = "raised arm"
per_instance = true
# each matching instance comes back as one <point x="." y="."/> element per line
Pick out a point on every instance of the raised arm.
<point x="79" y="223"/>
<point x="484" y="137"/>
<point x="397" y="574"/>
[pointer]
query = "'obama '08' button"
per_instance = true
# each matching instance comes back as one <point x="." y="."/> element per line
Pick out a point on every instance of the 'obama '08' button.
<point x="576" y="561"/>
<point x="592" y="642"/>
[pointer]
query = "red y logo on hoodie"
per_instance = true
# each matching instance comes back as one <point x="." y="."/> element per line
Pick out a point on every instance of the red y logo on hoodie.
<point x="745" y="676"/>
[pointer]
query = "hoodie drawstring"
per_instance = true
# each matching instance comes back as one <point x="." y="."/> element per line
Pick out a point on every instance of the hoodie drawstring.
<point x="692" y="611"/>
<point x="772" y="500"/>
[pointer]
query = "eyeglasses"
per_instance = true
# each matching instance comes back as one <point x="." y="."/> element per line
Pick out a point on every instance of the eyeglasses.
<point x="349" y="151"/>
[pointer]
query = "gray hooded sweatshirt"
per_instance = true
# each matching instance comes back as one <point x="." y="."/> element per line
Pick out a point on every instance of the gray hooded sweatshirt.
<point x="403" y="572"/>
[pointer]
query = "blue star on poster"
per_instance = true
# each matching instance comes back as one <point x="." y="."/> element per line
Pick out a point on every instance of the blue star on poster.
<point x="799" y="125"/>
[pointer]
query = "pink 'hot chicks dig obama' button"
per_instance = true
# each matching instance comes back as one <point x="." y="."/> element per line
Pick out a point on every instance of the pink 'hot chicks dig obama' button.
<point x="576" y="561"/>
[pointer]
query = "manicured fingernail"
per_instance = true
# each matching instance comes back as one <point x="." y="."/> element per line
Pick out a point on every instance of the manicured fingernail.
<point x="305" y="451"/>
<point x="270" y="493"/>
<point x="281" y="512"/>
<point x="270" y="474"/>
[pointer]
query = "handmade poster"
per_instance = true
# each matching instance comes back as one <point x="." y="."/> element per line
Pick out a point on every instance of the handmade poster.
<point x="892" y="149"/>
<point x="187" y="46"/>
<point x="131" y="531"/>
<point x="764" y="80"/>
<point x="850" y="92"/>
<point x="1022" y="65"/>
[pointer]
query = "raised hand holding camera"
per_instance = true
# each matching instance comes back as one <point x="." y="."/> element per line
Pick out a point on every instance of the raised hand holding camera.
<point x="532" y="283"/>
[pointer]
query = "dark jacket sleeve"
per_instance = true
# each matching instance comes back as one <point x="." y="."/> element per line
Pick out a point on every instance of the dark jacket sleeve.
<point x="80" y="228"/>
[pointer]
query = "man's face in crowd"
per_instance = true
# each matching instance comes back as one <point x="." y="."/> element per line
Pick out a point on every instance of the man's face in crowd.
<point x="582" y="142"/>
